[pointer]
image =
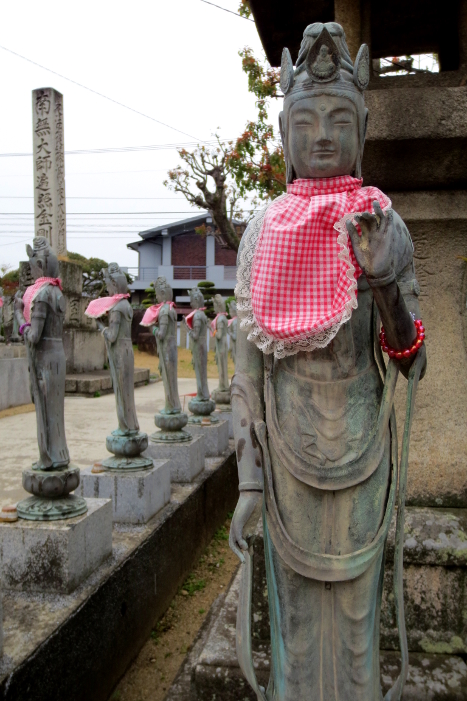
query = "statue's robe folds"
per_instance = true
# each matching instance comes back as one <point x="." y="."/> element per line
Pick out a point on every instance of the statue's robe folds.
<point x="200" y="355"/>
<point x="233" y="339"/>
<point x="121" y="360"/>
<point x="331" y="483"/>
<point x="47" y="368"/>
<point x="167" y="350"/>
<point x="222" y="352"/>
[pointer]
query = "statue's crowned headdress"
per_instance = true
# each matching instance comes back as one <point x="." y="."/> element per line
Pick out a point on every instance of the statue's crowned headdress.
<point x="114" y="274"/>
<point x="41" y="255"/>
<point x="324" y="66"/>
<point x="197" y="296"/>
<point x="162" y="286"/>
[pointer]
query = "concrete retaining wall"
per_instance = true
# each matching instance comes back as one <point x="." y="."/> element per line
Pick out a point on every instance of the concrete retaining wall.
<point x="77" y="647"/>
<point x="14" y="382"/>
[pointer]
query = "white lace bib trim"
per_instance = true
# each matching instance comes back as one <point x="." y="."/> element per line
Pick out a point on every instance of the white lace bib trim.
<point x="304" y="342"/>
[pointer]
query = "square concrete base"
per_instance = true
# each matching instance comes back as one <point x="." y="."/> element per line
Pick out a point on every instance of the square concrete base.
<point x="186" y="459"/>
<point x="216" y="437"/>
<point x="225" y="414"/>
<point x="137" y="495"/>
<point x="55" y="556"/>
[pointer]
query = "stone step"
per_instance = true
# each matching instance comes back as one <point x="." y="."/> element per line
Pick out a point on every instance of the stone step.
<point x="216" y="676"/>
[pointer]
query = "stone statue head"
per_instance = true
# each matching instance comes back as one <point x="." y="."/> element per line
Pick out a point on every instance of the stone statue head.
<point x="324" y="119"/>
<point x="115" y="280"/>
<point x="196" y="298"/>
<point x="42" y="260"/>
<point x="164" y="292"/>
<point x="233" y="308"/>
<point x="219" y="304"/>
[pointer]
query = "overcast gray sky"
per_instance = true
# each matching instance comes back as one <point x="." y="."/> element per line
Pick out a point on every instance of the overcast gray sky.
<point x="176" y="61"/>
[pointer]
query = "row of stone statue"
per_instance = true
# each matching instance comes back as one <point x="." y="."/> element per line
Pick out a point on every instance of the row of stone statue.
<point x="40" y="314"/>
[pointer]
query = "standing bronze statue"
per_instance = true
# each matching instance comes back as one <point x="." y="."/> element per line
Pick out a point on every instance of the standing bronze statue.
<point x="312" y="399"/>
<point x="219" y="328"/>
<point x="126" y="442"/>
<point x="40" y="314"/>
<point x="162" y="317"/>
<point x="233" y="322"/>
<point x="202" y="405"/>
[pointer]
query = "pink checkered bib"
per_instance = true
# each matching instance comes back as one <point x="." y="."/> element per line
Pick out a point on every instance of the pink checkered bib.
<point x="304" y="273"/>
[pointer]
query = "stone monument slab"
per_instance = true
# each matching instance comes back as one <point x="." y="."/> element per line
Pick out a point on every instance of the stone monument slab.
<point x="137" y="495"/>
<point x="55" y="556"/>
<point x="49" y="168"/>
<point x="216" y="436"/>
<point x="186" y="459"/>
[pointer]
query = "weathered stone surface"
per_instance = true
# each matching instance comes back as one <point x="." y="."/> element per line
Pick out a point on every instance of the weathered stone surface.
<point x="49" y="168"/>
<point x="104" y="623"/>
<point x="216" y="437"/>
<point x="416" y="138"/>
<point x="14" y="381"/>
<point x="438" y="448"/>
<point x="186" y="459"/>
<point x="55" y="556"/>
<point x="18" y="351"/>
<point x="84" y="349"/>
<point x="435" y="583"/>
<point x="88" y="383"/>
<point x="225" y="415"/>
<point x="216" y="675"/>
<point x="137" y="495"/>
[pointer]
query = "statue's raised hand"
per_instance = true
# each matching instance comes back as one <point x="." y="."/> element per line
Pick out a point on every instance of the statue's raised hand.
<point x="373" y="249"/>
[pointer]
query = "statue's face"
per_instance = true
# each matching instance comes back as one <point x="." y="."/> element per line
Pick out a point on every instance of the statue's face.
<point x="111" y="287"/>
<point x="218" y="305"/>
<point x="37" y="267"/>
<point x="196" y="302"/>
<point x="233" y="309"/>
<point x="160" y="296"/>
<point x="323" y="136"/>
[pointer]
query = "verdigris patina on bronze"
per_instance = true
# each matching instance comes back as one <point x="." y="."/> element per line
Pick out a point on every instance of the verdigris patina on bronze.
<point x="219" y="327"/>
<point x="40" y="314"/>
<point x="126" y="442"/>
<point x="312" y="399"/>
<point x="162" y="317"/>
<point x="233" y="322"/>
<point x="202" y="405"/>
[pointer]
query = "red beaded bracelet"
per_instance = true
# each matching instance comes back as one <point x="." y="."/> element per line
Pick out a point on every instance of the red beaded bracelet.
<point x="408" y="351"/>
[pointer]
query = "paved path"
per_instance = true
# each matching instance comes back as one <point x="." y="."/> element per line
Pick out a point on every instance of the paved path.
<point x="87" y="423"/>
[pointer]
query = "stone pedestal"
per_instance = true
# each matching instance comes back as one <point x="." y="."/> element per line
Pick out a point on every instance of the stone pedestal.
<point x="136" y="495"/>
<point x="224" y="412"/>
<point x="186" y="459"/>
<point x="55" y="556"/>
<point x="216" y="436"/>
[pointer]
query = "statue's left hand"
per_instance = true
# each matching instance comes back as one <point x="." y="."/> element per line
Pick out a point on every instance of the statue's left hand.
<point x="374" y="248"/>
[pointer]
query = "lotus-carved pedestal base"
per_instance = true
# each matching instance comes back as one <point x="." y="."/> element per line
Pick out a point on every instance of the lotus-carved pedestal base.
<point x="127" y="449"/>
<point x="202" y="411"/>
<point x="221" y="396"/>
<point x="52" y="499"/>
<point x="171" y="426"/>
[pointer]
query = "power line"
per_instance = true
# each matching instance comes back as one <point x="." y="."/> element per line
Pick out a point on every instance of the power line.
<point x="118" y="149"/>
<point x="110" y="99"/>
<point x="237" y="14"/>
